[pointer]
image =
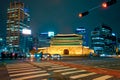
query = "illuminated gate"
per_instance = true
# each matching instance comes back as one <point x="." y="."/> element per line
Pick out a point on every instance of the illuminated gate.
<point x="67" y="45"/>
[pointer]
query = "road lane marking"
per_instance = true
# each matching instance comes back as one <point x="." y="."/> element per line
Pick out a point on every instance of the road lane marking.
<point x="20" y="71"/>
<point x="71" y="72"/>
<point x="31" y="76"/>
<point x="20" y="74"/>
<point x="64" y="70"/>
<point x="103" y="77"/>
<point x="81" y="75"/>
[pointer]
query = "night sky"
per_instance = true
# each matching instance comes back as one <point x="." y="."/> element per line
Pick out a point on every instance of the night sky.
<point x="61" y="16"/>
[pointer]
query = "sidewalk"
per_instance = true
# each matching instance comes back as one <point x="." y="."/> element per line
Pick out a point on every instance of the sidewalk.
<point x="3" y="72"/>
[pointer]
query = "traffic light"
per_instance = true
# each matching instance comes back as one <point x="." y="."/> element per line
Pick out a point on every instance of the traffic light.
<point x="83" y="14"/>
<point x="109" y="3"/>
<point x="104" y="5"/>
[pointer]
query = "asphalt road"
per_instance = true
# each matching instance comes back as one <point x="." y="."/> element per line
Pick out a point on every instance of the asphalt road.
<point x="102" y="62"/>
<point x="48" y="70"/>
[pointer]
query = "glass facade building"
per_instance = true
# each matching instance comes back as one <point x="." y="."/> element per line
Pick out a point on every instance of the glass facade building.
<point x="44" y="40"/>
<point x="18" y="19"/>
<point x="82" y="31"/>
<point x="2" y="32"/>
<point x="103" y="41"/>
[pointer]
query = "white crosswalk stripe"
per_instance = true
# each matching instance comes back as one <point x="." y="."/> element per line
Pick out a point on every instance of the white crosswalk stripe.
<point x="33" y="76"/>
<point x="57" y="68"/>
<point x="81" y="75"/>
<point x="15" y="69"/>
<point x="44" y="79"/>
<point x="21" y="74"/>
<point x="64" y="70"/>
<point x="20" y="66"/>
<point x="72" y="72"/>
<point x="21" y="71"/>
<point x="103" y="77"/>
<point x="48" y="64"/>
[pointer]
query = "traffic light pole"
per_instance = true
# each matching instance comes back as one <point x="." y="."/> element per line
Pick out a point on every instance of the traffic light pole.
<point x="104" y="5"/>
<point x="87" y="12"/>
<point x="94" y="8"/>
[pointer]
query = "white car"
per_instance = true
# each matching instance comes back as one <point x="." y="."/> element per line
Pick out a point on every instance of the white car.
<point x="56" y="56"/>
<point x="46" y="56"/>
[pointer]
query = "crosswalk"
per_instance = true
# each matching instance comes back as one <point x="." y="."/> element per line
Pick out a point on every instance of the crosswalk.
<point x="25" y="71"/>
<point x="51" y="71"/>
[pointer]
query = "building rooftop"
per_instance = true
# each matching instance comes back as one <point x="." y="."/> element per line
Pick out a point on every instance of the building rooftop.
<point x="66" y="35"/>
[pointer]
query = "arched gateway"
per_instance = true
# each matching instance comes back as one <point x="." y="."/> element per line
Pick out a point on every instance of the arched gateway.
<point x="66" y="52"/>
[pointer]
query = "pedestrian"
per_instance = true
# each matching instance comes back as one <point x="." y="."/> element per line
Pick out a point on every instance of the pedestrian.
<point x="15" y="55"/>
<point x="11" y="55"/>
<point x="90" y="55"/>
<point x="2" y="55"/>
<point x="41" y="55"/>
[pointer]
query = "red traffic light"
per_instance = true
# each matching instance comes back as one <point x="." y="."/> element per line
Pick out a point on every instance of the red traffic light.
<point x="104" y="5"/>
<point x="80" y="15"/>
<point x="83" y="14"/>
<point x="109" y="3"/>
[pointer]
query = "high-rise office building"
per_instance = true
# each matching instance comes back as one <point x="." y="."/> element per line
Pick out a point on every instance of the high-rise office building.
<point x="118" y="44"/>
<point x="2" y="39"/>
<point x="82" y="31"/>
<point x="18" y="19"/>
<point x="44" y="39"/>
<point x="2" y="32"/>
<point x="103" y="41"/>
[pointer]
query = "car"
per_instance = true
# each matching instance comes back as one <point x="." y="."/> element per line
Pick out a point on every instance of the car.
<point x="56" y="56"/>
<point x="46" y="56"/>
<point x="103" y="55"/>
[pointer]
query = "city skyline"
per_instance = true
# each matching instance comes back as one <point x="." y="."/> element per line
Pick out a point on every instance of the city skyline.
<point x="62" y="16"/>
